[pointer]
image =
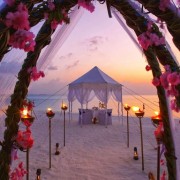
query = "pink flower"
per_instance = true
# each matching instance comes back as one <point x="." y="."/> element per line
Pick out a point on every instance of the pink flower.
<point x="172" y="91"/>
<point x="54" y="24"/>
<point x="87" y="5"/>
<point x="144" y="41"/>
<point x="34" y="74"/>
<point x="9" y="2"/>
<point x="159" y="131"/>
<point x="173" y="78"/>
<point x="164" y="4"/>
<point x="163" y="79"/>
<point x="18" y="173"/>
<point x="163" y="176"/>
<point x="162" y="162"/>
<point x="156" y="40"/>
<point x="24" y="139"/>
<point x="18" y="19"/>
<point x="22" y="39"/>
<point x="148" y="68"/>
<point x="156" y="81"/>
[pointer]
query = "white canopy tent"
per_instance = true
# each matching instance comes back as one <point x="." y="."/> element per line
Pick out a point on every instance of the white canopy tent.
<point x="94" y="83"/>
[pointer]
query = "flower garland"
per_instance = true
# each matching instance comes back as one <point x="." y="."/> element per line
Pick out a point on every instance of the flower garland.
<point x="149" y="38"/>
<point x="34" y="74"/>
<point x="166" y="12"/>
<point x="159" y="135"/>
<point x="26" y="74"/>
<point x="139" y="23"/>
<point x="169" y="81"/>
<point x="18" y="20"/>
<point x="22" y="141"/>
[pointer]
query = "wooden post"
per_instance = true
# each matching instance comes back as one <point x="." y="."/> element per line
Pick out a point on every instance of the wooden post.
<point x="127" y="128"/>
<point x="64" y="129"/>
<point x="49" y="142"/>
<point x="142" y="153"/>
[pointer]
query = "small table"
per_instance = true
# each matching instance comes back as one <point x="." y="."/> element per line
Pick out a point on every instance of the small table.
<point x="89" y="114"/>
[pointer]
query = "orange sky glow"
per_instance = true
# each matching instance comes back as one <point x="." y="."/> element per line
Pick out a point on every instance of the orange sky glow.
<point x="97" y="40"/>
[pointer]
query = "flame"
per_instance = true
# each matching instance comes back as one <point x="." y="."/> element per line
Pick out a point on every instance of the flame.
<point x="49" y="109"/>
<point x="25" y="112"/>
<point x="135" y="108"/>
<point x="156" y="113"/>
<point x="63" y="105"/>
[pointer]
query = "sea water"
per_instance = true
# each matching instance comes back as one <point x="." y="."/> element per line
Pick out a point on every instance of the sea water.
<point x="150" y="103"/>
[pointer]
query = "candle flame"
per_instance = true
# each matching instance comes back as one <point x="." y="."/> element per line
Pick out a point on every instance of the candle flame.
<point x="156" y="113"/>
<point x="49" y="109"/>
<point x="135" y="108"/>
<point x="63" y="105"/>
<point x="25" y="112"/>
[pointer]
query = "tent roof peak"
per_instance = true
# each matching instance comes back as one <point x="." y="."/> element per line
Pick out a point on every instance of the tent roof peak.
<point x="94" y="76"/>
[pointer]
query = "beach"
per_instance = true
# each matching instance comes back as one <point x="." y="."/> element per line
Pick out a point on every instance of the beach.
<point x="91" y="152"/>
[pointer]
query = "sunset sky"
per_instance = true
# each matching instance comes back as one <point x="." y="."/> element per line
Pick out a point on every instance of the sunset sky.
<point x="97" y="40"/>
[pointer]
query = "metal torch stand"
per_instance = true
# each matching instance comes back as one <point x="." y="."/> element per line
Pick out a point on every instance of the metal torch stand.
<point x="158" y="159"/>
<point x="64" y="129"/>
<point x="127" y="129"/>
<point x="142" y="153"/>
<point x="27" y="164"/>
<point x="49" y="142"/>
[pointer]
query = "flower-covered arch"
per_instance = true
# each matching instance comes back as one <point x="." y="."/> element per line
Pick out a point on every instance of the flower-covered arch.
<point x="16" y="19"/>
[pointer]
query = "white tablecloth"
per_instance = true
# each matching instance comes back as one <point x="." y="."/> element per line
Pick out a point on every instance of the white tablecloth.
<point x="100" y="115"/>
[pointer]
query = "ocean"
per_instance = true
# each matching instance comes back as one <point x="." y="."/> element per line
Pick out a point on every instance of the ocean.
<point x="150" y="103"/>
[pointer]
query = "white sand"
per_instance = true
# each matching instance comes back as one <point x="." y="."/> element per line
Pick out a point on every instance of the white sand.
<point x="92" y="152"/>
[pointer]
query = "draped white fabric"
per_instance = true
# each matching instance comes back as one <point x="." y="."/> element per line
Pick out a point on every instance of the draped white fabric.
<point x="82" y="95"/>
<point x="116" y="95"/>
<point x="58" y="38"/>
<point x="102" y="95"/>
<point x="12" y="61"/>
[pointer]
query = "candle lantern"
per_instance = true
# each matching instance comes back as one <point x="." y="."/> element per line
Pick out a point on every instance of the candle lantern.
<point x="38" y="173"/>
<point x="135" y="154"/>
<point x="156" y="119"/>
<point x="139" y="113"/>
<point x="26" y="117"/>
<point x="127" y="108"/>
<point x="57" y="149"/>
<point x="27" y="120"/>
<point x="50" y="114"/>
<point x="64" y="108"/>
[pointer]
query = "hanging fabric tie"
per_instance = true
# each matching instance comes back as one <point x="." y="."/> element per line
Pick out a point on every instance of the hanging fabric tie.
<point x="108" y="9"/>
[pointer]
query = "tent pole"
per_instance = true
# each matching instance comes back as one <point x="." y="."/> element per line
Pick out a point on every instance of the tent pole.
<point x="81" y="113"/>
<point x="69" y="111"/>
<point x="121" y="106"/>
<point x="118" y="111"/>
<point x="106" y="116"/>
<point x="106" y="106"/>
